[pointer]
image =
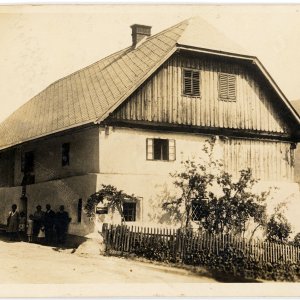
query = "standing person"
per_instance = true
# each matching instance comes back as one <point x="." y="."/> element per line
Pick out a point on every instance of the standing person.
<point x="49" y="224"/>
<point x="38" y="218"/>
<point x="30" y="228"/>
<point x="13" y="223"/>
<point x="61" y="224"/>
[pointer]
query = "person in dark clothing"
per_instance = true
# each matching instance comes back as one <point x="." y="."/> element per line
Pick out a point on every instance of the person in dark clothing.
<point x="48" y="222"/>
<point x="13" y="223"/>
<point x="62" y="221"/>
<point x="38" y="219"/>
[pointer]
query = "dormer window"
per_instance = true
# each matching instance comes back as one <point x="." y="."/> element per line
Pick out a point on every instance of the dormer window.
<point x="191" y="82"/>
<point x="227" y="87"/>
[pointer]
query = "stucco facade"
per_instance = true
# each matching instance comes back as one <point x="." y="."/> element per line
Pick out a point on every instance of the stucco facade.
<point x="117" y="156"/>
<point x="124" y="164"/>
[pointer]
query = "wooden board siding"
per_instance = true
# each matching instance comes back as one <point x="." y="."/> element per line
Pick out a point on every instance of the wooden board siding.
<point x="160" y="99"/>
<point x="269" y="160"/>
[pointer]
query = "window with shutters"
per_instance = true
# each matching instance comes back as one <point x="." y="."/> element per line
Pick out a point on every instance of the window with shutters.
<point x="191" y="82"/>
<point x="161" y="149"/>
<point x="227" y="87"/>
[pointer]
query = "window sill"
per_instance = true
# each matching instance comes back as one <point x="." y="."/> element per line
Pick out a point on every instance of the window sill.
<point x="227" y="100"/>
<point x="191" y="96"/>
<point x="160" y="160"/>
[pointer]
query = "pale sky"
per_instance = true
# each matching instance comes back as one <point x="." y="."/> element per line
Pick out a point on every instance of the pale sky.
<point x="40" y="44"/>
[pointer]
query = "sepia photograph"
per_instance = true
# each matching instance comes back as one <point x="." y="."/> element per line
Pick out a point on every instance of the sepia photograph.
<point x="149" y="150"/>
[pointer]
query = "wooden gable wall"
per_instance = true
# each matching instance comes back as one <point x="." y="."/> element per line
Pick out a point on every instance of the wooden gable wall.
<point x="268" y="160"/>
<point x="161" y="99"/>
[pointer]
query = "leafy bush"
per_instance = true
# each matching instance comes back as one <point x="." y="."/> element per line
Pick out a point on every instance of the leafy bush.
<point x="278" y="228"/>
<point x="296" y="241"/>
<point x="223" y="204"/>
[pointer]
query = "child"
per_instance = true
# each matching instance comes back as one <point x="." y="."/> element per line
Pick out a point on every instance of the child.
<point x="22" y="225"/>
<point x="30" y="228"/>
<point x="41" y="235"/>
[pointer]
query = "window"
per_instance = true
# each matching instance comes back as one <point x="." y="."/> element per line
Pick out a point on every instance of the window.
<point x="65" y="150"/>
<point x="27" y="167"/>
<point x="129" y="211"/>
<point x="227" y="87"/>
<point x="196" y="211"/>
<point x="79" y="210"/>
<point x="191" y="82"/>
<point x="161" y="149"/>
<point x="27" y="162"/>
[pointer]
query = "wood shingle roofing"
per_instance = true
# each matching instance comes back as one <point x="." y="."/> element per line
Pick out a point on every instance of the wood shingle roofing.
<point x="90" y="94"/>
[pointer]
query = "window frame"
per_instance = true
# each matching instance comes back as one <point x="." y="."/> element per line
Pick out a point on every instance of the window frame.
<point x="79" y="210"/>
<point x="24" y="158"/>
<point x="150" y="150"/>
<point x="67" y="163"/>
<point x="228" y="97"/>
<point x="134" y="210"/>
<point x="192" y="94"/>
<point x="194" y="203"/>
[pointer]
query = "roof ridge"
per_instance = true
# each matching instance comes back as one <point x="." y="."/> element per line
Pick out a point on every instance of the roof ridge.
<point x="98" y="61"/>
<point x="115" y="53"/>
<point x="89" y="66"/>
<point x="165" y="30"/>
<point x="131" y="48"/>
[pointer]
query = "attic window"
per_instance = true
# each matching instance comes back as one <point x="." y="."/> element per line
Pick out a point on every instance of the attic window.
<point x="227" y="87"/>
<point x="191" y="82"/>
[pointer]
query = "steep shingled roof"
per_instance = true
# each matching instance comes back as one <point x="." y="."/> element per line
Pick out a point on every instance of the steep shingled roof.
<point x="84" y="96"/>
<point x="89" y="94"/>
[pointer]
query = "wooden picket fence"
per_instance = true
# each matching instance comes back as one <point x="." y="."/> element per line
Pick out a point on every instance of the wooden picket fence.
<point x="177" y="243"/>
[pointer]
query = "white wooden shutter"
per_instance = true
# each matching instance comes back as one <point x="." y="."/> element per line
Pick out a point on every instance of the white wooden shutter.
<point x="196" y="83"/>
<point x="187" y="82"/>
<point x="191" y="82"/>
<point x="231" y="87"/>
<point x="149" y="149"/>
<point x="223" y="86"/>
<point x="172" y="150"/>
<point x="227" y="87"/>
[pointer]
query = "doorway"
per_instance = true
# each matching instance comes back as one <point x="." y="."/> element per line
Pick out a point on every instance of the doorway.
<point x="23" y="205"/>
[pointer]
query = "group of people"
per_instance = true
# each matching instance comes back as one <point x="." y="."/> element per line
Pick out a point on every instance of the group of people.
<point x="42" y="226"/>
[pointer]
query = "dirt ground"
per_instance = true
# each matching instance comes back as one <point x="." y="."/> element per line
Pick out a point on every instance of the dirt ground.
<point x="30" y="263"/>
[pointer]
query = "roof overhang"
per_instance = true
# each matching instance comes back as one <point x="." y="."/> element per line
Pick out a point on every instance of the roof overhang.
<point x="58" y="132"/>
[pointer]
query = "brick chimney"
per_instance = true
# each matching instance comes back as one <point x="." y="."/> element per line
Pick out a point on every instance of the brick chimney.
<point x="139" y="32"/>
